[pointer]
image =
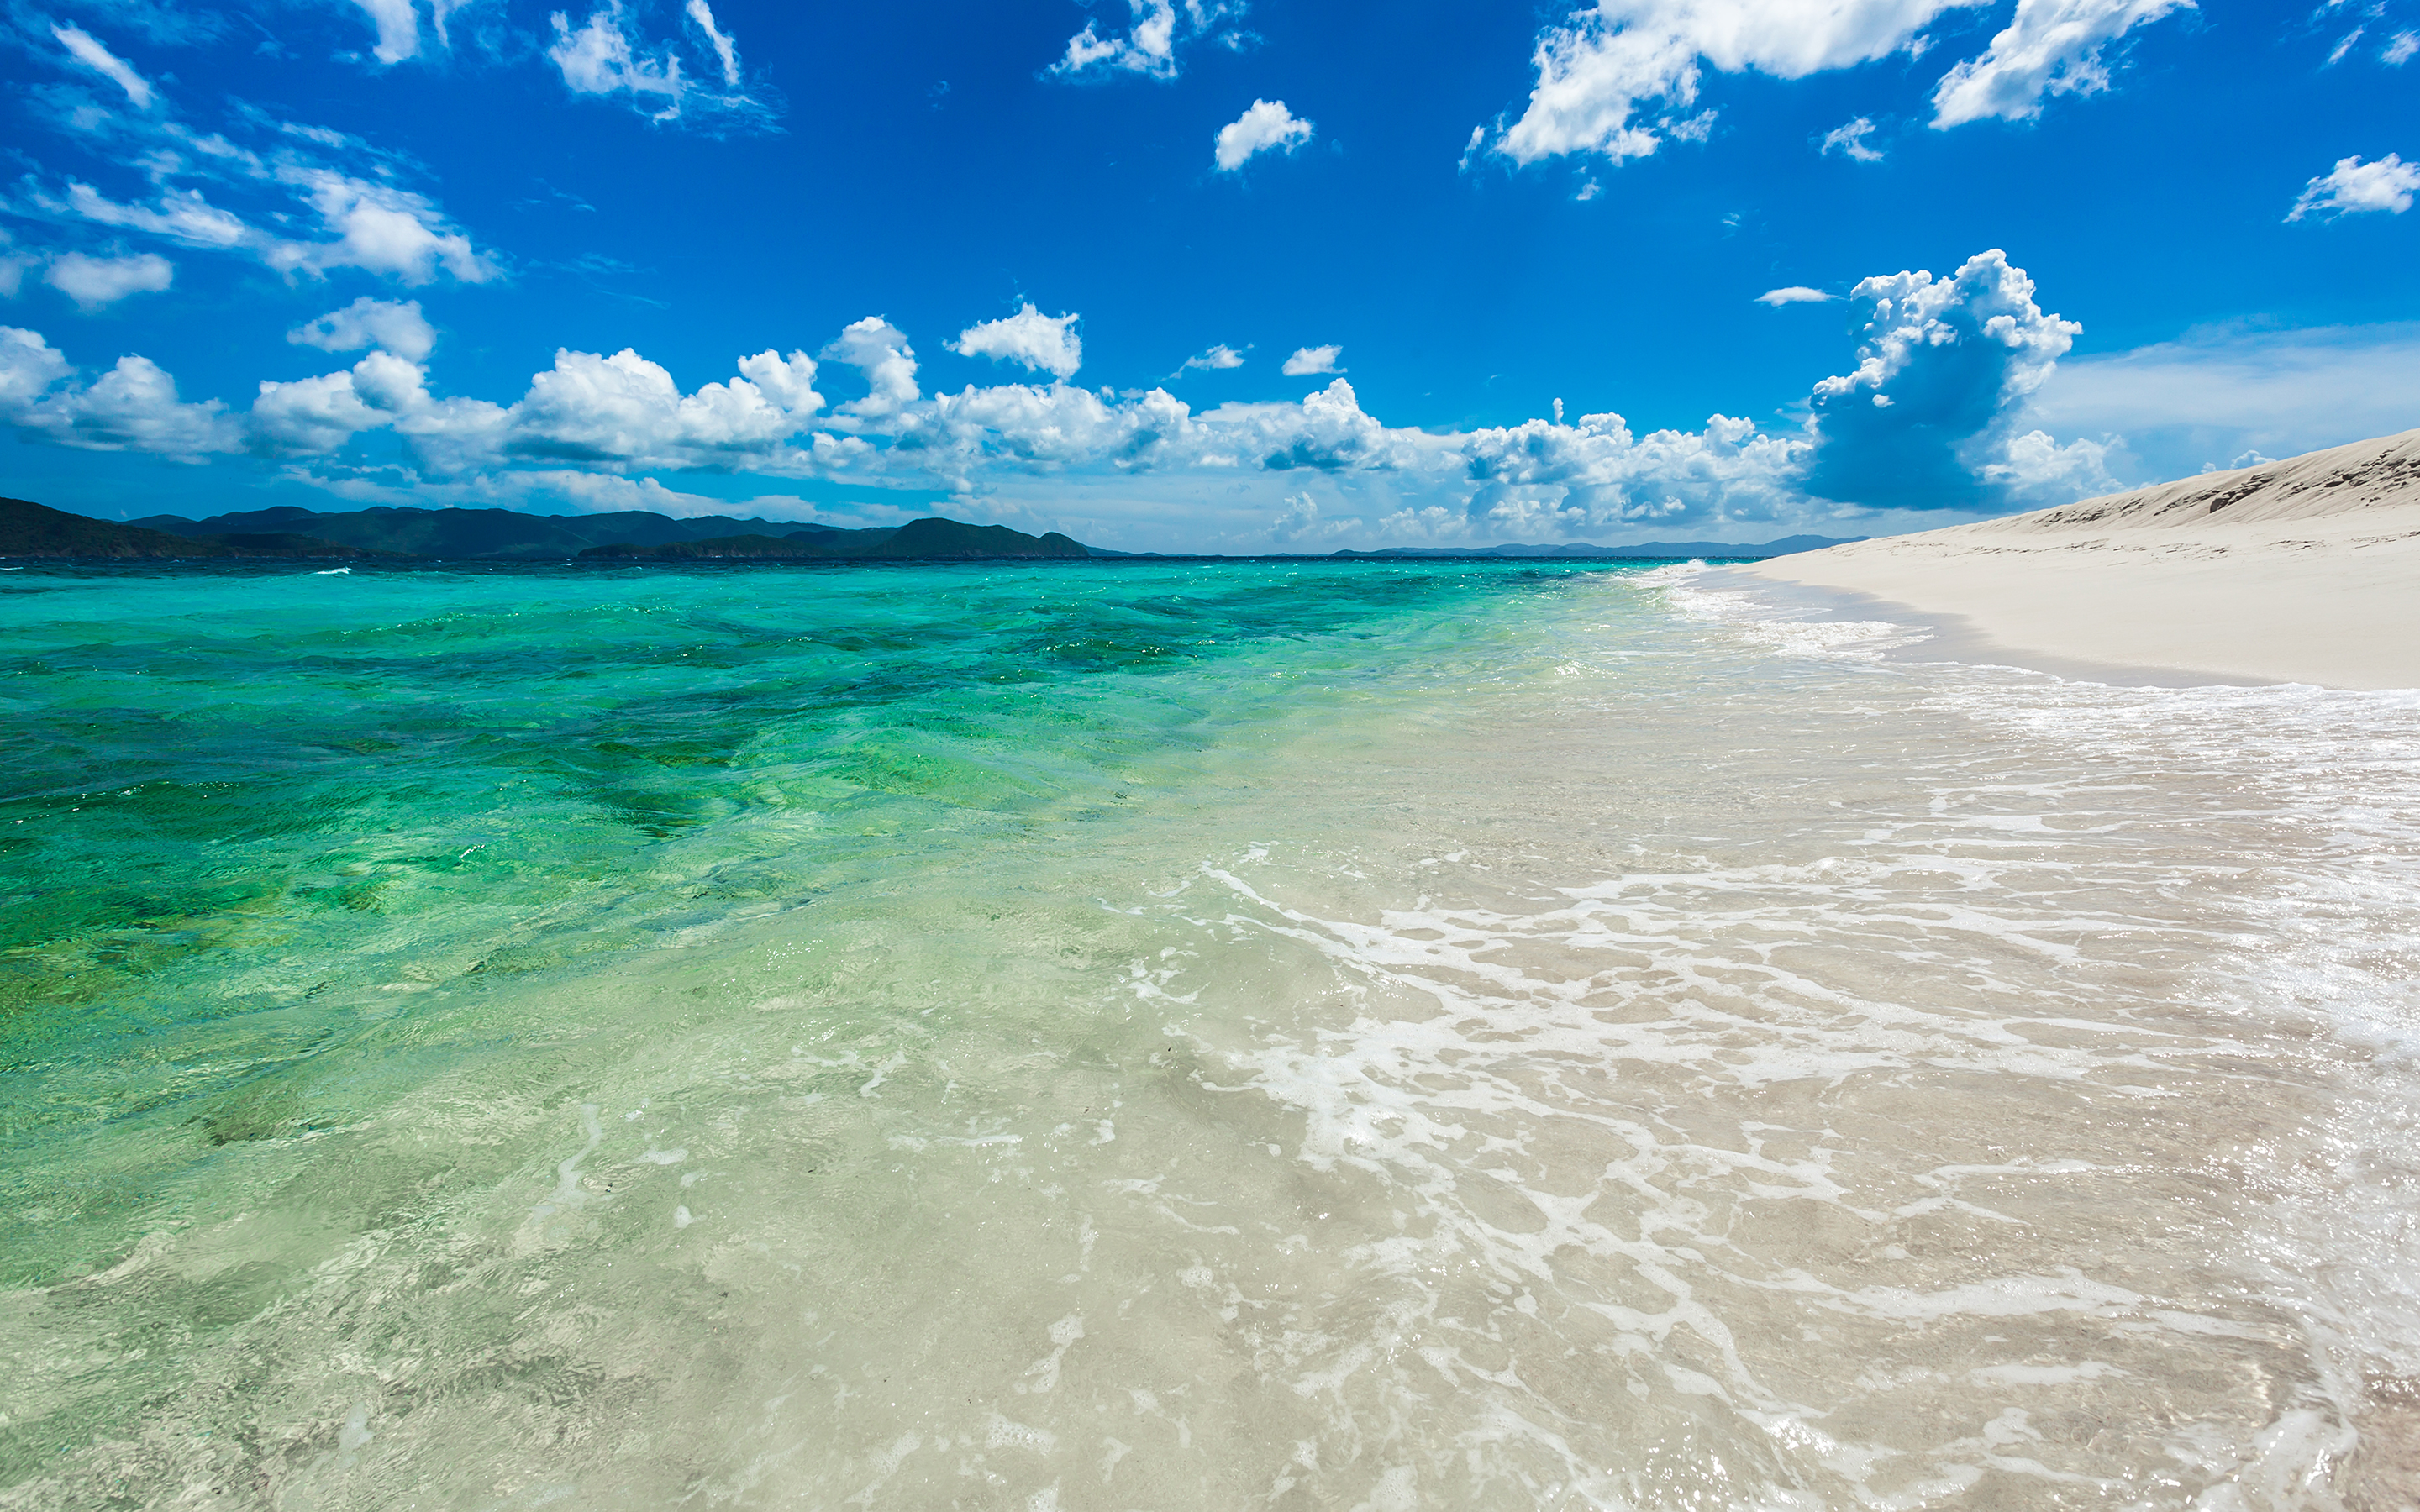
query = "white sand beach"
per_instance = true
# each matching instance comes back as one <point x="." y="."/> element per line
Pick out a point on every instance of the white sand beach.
<point x="2300" y="571"/>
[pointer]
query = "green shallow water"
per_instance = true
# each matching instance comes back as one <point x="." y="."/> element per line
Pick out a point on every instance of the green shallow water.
<point x="1359" y="1035"/>
<point x="251" y="812"/>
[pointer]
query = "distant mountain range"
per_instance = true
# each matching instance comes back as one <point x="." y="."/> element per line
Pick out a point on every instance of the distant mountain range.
<point x="628" y="535"/>
<point x="31" y="530"/>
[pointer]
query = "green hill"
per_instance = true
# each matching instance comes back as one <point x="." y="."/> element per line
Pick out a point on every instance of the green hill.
<point x="32" y="530"/>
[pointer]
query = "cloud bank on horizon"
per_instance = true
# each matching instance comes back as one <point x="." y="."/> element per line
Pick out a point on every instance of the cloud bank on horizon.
<point x="249" y="240"/>
<point x="1926" y="421"/>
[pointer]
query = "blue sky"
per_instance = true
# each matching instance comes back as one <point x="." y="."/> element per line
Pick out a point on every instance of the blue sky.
<point x="1200" y="276"/>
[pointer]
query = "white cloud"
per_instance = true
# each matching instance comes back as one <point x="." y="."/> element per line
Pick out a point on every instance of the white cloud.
<point x="1542" y="480"/>
<point x="602" y="59"/>
<point x="879" y="350"/>
<point x="2034" y="468"/>
<point x="374" y="226"/>
<point x="2399" y="48"/>
<point x="1793" y="293"/>
<point x="2051" y="47"/>
<point x="131" y="408"/>
<point x="2353" y="186"/>
<point x="619" y="411"/>
<point x="1045" y="343"/>
<point x="1945" y="367"/>
<point x="95" y="281"/>
<point x="726" y="50"/>
<point x="180" y="215"/>
<point x="1266" y="126"/>
<point x="379" y="228"/>
<point x="1308" y="359"/>
<point x="789" y="381"/>
<point x="1603" y="75"/>
<point x="2211" y="394"/>
<point x="398" y="328"/>
<point x="1216" y="358"/>
<point x="1149" y="46"/>
<point x="310" y="417"/>
<point x="1952" y="361"/>
<point x="626" y="409"/>
<point x="398" y="28"/>
<point x="1850" y="141"/>
<point x="85" y="50"/>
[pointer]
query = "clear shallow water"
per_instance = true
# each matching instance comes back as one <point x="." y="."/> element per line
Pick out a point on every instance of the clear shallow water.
<point x="1308" y="1035"/>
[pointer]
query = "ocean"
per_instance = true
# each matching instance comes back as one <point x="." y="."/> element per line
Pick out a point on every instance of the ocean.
<point x="1369" y="1034"/>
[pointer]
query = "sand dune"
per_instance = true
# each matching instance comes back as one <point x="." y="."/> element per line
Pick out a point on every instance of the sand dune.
<point x="2306" y="570"/>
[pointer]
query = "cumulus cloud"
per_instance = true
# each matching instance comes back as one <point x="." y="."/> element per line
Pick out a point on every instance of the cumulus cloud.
<point x="1266" y="126"/>
<point x="789" y="381"/>
<point x="1936" y="417"/>
<point x="1616" y="78"/>
<point x="1543" y="480"/>
<point x="2035" y="468"/>
<point x="398" y="328"/>
<point x="1150" y="44"/>
<point x="131" y="408"/>
<point x="96" y="282"/>
<point x="879" y="350"/>
<point x="1216" y="358"/>
<point x="2353" y="186"/>
<point x="91" y="54"/>
<point x="1793" y="294"/>
<point x="1850" y="141"/>
<point x="2051" y="47"/>
<point x="620" y="411"/>
<point x="1045" y="343"/>
<point x="310" y="417"/>
<point x="1308" y="359"/>
<point x="1943" y="368"/>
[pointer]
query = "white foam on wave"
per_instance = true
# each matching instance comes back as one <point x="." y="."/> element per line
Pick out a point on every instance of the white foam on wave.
<point x="2150" y="896"/>
<point x="1757" y="622"/>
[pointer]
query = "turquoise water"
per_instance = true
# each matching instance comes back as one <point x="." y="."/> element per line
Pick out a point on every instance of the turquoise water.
<point x="254" y="812"/>
<point x="1114" y="1035"/>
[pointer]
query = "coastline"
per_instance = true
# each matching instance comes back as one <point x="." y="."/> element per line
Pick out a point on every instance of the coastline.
<point x="1949" y="636"/>
<point x="2312" y="575"/>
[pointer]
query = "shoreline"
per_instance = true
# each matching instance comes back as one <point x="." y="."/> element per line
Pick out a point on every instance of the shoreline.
<point x="1953" y="637"/>
<point x="2311" y="575"/>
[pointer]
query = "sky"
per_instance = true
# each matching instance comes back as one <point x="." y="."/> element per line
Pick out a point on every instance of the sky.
<point x="1193" y="275"/>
